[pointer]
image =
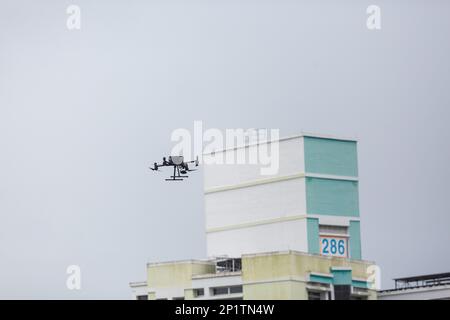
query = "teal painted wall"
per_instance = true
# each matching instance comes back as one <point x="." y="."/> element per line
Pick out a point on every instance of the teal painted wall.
<point x="313" y="235"/>
<point x="342" y="277"/>
<point x="332" y="197"/>
<point x="360" y="284"/>
<point x="328" y="156"/>
<point x="355" y="240"/>
<point x="320" y="279"/>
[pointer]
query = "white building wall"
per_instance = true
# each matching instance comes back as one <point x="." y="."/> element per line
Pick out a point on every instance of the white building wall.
<point x="138" y="289"/>
<point x="287" y="235"/>
<point x="425" y="293"/>
<point x="291" y="161"/>
<point x="255" y="203"/>
<point x="247" y="212"/>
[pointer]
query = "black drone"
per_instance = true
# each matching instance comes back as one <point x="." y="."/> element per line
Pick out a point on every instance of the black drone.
<point x="179" y="167"/>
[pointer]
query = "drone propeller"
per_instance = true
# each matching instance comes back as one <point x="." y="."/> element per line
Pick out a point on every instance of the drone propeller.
<point x="157" y="171"/>
<point x="189" y="167"/>
<point x="155" y="167"/>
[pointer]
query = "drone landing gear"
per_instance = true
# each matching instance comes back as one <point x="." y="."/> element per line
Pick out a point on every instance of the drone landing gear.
<point x="176" y="175"/>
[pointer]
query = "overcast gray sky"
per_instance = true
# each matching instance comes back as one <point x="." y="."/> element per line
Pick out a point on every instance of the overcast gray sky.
<point x="83" y="113"/>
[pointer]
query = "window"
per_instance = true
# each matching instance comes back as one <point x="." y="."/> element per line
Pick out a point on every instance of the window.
<point x="199" y="292"/>
<point x="359" y="293"/>
<point x="229" y="265"/>
<point x="317" y="295"/>
<point x="342" y="292"/>
<point x="313" y="295"/>
<point x="219" y="290"/>
<point x="226" y="290"/>
<point x="236" y="289"/>
<point x="335" y="230"/>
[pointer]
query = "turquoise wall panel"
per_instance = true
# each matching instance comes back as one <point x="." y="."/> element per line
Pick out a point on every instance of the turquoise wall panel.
<point x="355" y="240"/>
<point x="313" y="235"/>
<point x="320" y="279"/>
<point x="342" y="277"/>
<point x="332" y="197"/>
<point x="360" y="284"/>
<point x="328" y="156"/>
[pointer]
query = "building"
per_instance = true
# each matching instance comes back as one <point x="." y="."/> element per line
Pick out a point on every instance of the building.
<point x="291" y="235"/>
<point x="426" y="287"/>
<point x="139" y="290"/>
<point x="312" y="200"/>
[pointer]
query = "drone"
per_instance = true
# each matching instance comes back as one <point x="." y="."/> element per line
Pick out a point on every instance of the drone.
<point x="180" y="167"/>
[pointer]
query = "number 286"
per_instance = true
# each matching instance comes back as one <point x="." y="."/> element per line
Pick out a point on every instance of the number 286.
<point x="333" y="246"/>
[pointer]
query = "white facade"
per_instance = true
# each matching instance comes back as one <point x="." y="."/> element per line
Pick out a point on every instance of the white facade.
<point x="291" y="161"/>
<point x="238" y="241"/>
<point x="139" y="290"/>
<point x="425" y="293"/>
<point x="242" y="206"/>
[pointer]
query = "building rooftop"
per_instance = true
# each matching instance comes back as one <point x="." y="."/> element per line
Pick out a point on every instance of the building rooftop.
<point x="422" y="281"/>
<point x="186" y="261"/>
<point x="435" y="276"/>
<point x="138" y="284"/>
<point x="289" y="137"/>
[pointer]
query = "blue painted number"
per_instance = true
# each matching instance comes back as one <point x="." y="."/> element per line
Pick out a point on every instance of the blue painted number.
<point x="333" y="246"/>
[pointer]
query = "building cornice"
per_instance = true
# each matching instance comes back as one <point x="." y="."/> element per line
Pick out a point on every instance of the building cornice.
<point x="272" y="221"/>
<point x="290" y="137"/>
<point x="262" y="181"/>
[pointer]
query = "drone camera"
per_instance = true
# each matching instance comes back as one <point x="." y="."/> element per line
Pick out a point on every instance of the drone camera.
<point x="177" y="160"/>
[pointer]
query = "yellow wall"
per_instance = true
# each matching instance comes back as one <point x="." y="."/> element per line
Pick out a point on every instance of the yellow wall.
<point x="280" y="290"/>
<point x="189" y="294"/>
<point x="284" y="275"/>
<point x="279" y="275"/>
<point x="176" y="274"/>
